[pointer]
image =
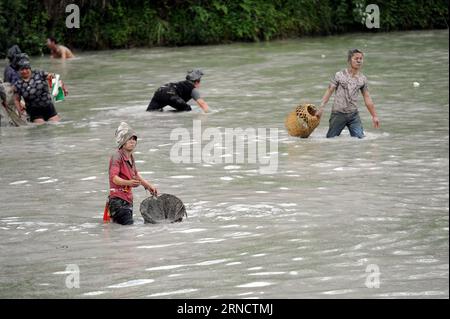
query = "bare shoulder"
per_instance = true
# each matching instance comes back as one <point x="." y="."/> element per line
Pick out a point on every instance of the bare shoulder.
<point x="65" y="51"/>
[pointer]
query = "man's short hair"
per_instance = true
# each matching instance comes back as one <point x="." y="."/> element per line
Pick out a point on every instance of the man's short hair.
<point x="352" y="52"/>
<point x="52" y="39"/>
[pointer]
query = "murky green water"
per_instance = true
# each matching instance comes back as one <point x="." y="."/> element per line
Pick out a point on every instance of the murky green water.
<point x="333" y="210"/>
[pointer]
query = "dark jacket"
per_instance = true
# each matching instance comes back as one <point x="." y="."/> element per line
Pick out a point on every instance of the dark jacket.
<point x="183" y="89"/>
<point x="10" y="75"/>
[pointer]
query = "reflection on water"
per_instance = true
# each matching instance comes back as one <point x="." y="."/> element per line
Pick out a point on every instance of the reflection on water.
<point x="311" y="229"/>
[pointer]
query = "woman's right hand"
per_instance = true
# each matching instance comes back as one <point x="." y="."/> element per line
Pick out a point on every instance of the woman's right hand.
<point x="319" y="112"/>
<point x="65" y="91"/>
<point x="134" y="182"/>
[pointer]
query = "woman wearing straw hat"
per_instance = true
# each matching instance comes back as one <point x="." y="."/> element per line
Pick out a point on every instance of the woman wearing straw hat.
<point x="347" y="84"/>
<point x="123" y="177"/>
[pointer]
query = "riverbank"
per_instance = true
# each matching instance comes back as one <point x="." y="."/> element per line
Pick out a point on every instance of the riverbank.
<point x="110" y="24"/>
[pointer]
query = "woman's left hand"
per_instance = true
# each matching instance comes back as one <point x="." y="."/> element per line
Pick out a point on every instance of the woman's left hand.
<point x="152" y="189"/>
<point x="375" y="122"/>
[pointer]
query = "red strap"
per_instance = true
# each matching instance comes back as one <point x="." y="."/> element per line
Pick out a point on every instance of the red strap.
<point x="106" y="218"/>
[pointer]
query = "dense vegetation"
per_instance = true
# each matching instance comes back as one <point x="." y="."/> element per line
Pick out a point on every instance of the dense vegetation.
<point x="129" y="23"/>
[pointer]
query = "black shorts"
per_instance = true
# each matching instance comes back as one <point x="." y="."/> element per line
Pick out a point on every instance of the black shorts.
<point x="44" y="113"/>
<point x="121" y="211"/>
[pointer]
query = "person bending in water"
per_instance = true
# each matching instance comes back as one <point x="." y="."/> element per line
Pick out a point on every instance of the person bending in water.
<point x="58" y="51"/>
<point x="177" y="94"/>
<point x="347" y="84"/>
<point x="123" y="176"/>
<point x="33" y="87"/>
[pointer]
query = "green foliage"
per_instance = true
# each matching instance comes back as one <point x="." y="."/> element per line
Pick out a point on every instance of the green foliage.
<point x="124" y="24"/>
<point x="19" y="18"/>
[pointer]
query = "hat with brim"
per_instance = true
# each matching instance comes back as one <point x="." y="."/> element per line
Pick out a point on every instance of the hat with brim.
<point x="124" y="133"/>
<point x="17" y="58"/>
<point x="23" y="64"/>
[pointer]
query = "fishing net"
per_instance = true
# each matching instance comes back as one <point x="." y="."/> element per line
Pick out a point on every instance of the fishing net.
<point x="302" y="121"/>
<point x="165" y="208"/>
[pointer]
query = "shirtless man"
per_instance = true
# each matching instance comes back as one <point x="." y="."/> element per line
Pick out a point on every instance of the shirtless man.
<point x="58" y="51"/>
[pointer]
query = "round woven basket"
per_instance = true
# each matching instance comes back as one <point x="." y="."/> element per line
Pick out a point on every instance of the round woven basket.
<point x="302" y="121"/>
<point x="165" y="208"/>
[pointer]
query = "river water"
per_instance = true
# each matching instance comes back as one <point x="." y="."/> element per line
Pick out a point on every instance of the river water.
<point x="333" y="218"/>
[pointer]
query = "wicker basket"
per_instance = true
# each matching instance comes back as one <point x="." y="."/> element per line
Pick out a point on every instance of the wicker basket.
<point x="302" y="121"/>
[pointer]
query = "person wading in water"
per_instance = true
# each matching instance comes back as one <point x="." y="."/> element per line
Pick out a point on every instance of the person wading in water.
<point x="58" y="51"/>
<point x="123" y="176"/>
<point x="33" y="88"/>
<point x="177" y="94"/>
<point x="347" y="84"/>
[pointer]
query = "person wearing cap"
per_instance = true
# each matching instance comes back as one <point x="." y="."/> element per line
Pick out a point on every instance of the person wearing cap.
<point x="33" y="88"/>
<point x="58" y="51"/>
<point x="347" y="84"/>
<point x="11" y="73"/>
<point x="177" y="94"/>
<point x="123" y="176"/>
